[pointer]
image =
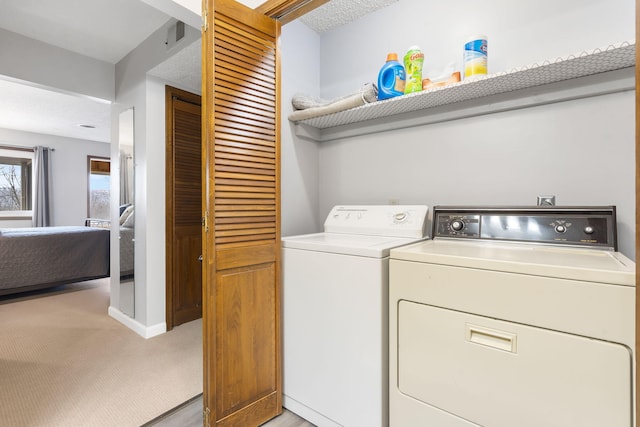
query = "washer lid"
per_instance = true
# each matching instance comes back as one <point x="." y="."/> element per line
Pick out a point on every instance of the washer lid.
<point x="346" y="244"/>
<point x="591" y="265"/>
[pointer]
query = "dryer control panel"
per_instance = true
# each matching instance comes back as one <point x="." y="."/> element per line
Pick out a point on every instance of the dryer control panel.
<point x="577" y="226"/>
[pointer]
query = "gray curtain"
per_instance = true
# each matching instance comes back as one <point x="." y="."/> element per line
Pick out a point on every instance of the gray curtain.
<point x="42" y="206"/>
<point x="126" y="185"/>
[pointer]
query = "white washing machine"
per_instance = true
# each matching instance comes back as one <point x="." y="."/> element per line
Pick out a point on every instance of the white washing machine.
<point x="513" y="317"/>
<point x="335" y="313"/>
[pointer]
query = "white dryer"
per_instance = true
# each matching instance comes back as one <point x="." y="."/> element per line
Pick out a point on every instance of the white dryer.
<point x="513" y="317"/>
<point x="335" y="313"/>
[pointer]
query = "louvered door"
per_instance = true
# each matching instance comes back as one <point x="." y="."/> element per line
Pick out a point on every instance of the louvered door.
<point x="184" y="195"/>
<point x="241" y="327"/>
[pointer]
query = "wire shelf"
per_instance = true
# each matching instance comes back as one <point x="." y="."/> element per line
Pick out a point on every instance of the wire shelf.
<point x="614" y="57"/>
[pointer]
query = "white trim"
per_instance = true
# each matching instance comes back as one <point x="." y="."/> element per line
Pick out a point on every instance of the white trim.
<point x="16" y="214"/>
<point x="137" y="327"/>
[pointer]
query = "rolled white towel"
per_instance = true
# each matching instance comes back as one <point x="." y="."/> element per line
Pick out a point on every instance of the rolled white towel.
<point x="306" y="107"/>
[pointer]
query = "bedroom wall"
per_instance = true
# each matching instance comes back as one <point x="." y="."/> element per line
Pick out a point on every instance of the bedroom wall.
<point x="43" y="64"/>
<point x="69" y="173"/>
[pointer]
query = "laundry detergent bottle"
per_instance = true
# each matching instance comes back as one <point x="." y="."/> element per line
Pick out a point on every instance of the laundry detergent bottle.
<point x="413" y="61"/>
<point x="391" y="78"/>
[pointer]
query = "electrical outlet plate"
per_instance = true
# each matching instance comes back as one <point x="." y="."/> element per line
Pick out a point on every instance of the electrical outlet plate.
<point x="546" y="200"/>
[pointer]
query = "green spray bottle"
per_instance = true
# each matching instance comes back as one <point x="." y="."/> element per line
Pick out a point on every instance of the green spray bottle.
<point x="413" y="61"/>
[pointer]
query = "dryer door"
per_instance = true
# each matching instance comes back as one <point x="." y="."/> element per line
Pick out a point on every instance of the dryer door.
<point x="497" y="373"/>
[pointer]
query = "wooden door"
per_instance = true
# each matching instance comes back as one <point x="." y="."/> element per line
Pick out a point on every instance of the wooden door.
<point x="241" y="199"/>
<point x="637" y="237"/>
<point x="184" y="202"/>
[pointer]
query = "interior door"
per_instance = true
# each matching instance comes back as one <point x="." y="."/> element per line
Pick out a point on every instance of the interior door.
<point x="241" y="199"/>
<point x="184" y="201"/>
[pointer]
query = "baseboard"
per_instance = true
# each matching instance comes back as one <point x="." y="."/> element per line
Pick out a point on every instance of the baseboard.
<point x="137" y="327"/>
<point x="307" y="413"/>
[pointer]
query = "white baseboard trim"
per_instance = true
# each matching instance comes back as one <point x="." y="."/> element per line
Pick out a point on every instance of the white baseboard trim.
<point x="137" y="327"/>
<point x="306" y="412"/>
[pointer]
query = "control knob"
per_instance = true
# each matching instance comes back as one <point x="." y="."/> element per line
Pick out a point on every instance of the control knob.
<point x="400" y="216"/>
<point x="560" y="228"/>
<point x="588" y="229"/>
<point x="457" y="225"/>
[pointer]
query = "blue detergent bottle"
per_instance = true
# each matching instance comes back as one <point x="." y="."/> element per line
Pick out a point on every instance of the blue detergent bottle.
<point x="391" y="78"/>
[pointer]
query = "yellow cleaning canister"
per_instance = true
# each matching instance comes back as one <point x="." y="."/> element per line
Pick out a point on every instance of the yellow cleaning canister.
<point x="475" y="56"/>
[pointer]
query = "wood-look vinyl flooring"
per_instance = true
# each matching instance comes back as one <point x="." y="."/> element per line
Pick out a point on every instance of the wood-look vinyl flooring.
<point x="189" y="414"/>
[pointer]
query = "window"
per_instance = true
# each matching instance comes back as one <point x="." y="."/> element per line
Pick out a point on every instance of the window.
<point x="99" y="188"/>
<point x="16" y="182"/>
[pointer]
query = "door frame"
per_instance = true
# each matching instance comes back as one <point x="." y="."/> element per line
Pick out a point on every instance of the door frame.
<point x="637" y="193"/>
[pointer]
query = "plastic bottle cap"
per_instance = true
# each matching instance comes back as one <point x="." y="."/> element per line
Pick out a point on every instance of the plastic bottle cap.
<point x="392" y="57"/>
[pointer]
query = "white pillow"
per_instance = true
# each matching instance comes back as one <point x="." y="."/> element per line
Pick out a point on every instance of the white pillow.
<point x="129" y="222"/>
<point x="125" y="215"/>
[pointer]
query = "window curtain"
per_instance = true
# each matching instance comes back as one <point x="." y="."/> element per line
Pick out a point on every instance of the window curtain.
<point x="42" y="206"/>
<point x="126" y="183"/>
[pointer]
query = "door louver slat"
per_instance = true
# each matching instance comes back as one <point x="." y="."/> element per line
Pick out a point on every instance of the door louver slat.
<point x="245" y="125"/>
<point x="235" y="61"/>
<point x="240" y="94"/>
<point x="234" y="138"/>
<point x="241" y="104"/>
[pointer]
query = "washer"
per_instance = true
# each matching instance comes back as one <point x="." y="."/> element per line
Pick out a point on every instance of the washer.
<point x="335" y="313"/>
<point x="513" y="317"/>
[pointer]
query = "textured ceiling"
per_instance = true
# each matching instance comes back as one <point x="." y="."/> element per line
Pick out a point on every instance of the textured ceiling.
<point x="340" y="12"/>
<point x="33" y="109"/>
<point x="184" y="67"/>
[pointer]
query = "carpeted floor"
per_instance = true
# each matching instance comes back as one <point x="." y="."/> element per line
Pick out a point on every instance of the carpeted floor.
<point x="65" y="362"/>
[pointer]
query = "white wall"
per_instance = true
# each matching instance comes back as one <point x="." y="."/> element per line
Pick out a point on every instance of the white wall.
<point x="146" y="94"/>
<point x="69" y="173"/>
<point x="155" y="215"/>
<point x="300" y="70"/>
<point x="582" y="151"/>
<point x="519" y="33"/>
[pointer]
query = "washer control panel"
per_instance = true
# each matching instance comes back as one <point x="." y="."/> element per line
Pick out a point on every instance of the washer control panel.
<point x="578" y="226"/>
<point x="378" y="220"/>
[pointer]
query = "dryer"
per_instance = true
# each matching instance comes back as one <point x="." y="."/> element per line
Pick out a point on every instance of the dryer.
<point x="513" y="317"/>
<point x="335" y="313"/>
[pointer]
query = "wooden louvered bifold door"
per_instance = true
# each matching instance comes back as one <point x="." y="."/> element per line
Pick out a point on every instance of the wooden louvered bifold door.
<point x="184" y="207"/>
<point x="241" y="290"/>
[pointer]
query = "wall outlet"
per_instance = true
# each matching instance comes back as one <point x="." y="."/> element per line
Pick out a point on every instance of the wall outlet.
<point x="546" y="200"/>
<point x="394" y="201"/>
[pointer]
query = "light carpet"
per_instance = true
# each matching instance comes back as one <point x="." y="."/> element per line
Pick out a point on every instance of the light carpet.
<point x="65" y="362"/>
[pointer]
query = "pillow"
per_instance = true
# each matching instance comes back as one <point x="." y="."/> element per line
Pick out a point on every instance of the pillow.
<point x="125" y="215"/>
<point x="129" y="222"/>
<point x="123" y="207"/>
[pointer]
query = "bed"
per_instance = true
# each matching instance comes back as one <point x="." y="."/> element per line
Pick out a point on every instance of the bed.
<point x="36" y="258"/>
<point x="126" y="238"/>
<point x="127" y="245"/>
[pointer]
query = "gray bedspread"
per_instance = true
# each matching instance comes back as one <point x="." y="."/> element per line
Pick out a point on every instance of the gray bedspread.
<point x="32" y="258"/>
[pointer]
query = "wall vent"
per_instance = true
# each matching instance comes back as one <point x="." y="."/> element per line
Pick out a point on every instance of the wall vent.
<point x="175" y="33"/>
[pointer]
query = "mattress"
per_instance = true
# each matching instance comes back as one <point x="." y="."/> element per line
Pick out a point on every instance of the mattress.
<point x="47" y="256"/>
